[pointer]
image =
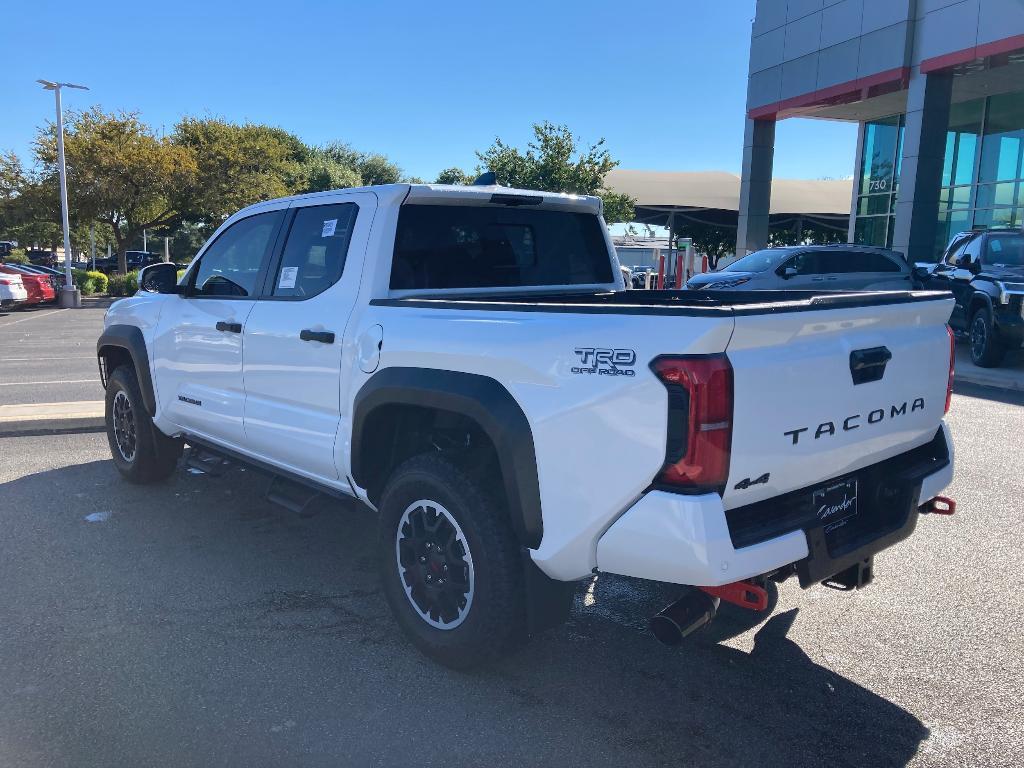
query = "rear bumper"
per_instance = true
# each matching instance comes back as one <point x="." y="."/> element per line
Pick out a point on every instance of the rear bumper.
<point x="692" y="540"/>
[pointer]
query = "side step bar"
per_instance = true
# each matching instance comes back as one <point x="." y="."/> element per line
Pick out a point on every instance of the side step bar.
<point x="291" y="491"/>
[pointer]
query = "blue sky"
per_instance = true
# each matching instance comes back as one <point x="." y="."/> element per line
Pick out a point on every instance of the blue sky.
<point x="424" y="83"/>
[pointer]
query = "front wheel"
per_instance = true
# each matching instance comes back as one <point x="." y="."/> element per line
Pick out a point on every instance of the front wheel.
<point x="141" y="452"/>
<point x="450" y="565"/>
<point x="986" y="348"/>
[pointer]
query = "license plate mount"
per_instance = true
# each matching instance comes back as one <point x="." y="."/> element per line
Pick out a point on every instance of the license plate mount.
<point x="835" y="505"/>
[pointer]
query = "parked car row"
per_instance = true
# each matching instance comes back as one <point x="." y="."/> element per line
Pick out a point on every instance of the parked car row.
<point x="28" y="284"/>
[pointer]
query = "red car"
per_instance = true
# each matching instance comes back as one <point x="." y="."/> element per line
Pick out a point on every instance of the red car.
<point x="39" y="288"/>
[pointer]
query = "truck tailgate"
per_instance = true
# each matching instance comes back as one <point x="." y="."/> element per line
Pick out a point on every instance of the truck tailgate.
<point x="799" y="416"/>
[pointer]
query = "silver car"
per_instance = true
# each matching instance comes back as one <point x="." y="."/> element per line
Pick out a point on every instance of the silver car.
<point x="812" y="268"/>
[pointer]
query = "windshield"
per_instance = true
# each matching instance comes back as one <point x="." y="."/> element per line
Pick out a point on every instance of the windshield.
<point x="758" y="261"/>
<point x="1005" y="250"/>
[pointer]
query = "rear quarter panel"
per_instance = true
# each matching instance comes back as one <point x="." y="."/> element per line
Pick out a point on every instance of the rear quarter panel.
<point x="599" y="439"/>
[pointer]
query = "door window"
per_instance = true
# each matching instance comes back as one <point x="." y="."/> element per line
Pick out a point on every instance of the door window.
<point x="971" y="252"/>
<point x="230" y="266"/>
<point x="805" y="263"/>
<point x="314" y="254"/>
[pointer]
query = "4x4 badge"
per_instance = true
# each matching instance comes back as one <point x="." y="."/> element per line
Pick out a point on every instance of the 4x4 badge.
<point x="746" y="482"/>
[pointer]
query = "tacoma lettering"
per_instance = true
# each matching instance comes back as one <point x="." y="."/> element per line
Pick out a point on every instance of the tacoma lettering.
<point x="850" y="423"/>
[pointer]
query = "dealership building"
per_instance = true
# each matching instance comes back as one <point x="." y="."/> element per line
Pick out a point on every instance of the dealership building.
<point x="937" y="88"/>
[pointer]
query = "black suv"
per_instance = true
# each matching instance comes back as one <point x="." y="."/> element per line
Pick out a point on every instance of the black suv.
<point x="985" y="272"/>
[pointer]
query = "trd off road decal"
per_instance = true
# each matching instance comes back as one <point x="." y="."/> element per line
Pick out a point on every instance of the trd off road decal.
<point x="605" y="362"/>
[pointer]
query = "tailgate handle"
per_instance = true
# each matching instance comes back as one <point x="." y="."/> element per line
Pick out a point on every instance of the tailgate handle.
<point x="869" y="364"/>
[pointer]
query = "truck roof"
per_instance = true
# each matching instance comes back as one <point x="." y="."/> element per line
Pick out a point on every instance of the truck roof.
<point x="455" y="194"/>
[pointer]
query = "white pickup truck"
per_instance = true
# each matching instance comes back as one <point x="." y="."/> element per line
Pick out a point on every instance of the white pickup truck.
<point x="466" y="362"/>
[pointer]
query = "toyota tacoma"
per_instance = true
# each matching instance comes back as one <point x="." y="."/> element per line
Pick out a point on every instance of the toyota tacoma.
<point x="466" y="362"/>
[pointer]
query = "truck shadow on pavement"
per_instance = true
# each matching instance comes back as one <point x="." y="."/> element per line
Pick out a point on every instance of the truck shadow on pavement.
<point x="136" y="615"/>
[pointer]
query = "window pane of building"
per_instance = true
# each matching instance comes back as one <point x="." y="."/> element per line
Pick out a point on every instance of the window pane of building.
<point x="962" y="142"/>
<point x="994" y="217"/>
<point x="992" y="195"/>
<point x="870" y="205"/>
<point x="1003" y="140"/>
<point x="949" y="225"/>
<point x="871" y="230"/>
<point x="880" y="140"/>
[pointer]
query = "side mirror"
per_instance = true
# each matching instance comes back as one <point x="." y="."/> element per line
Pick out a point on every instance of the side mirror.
<point x="159" y="278"/>
<point x="922" y="272"/>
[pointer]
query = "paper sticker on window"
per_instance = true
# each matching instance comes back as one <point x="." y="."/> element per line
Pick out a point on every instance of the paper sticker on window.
<point x="329" y="226"/>
<point x="995" y="245"/>
<point x="288" y="275"/>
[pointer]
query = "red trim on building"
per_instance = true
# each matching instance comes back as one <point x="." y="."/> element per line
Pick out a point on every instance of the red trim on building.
<point x="996" y="47"/>
<point x="843" y="93"/>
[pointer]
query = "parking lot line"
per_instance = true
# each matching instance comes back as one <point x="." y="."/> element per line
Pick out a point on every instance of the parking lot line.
<point x="33" y="359"/>
<point x="33" y="317"/>
<point x="32" y="383"/>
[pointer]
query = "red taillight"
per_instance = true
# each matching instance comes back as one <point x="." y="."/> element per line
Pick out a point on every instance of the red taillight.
<point x="700" y="420"/>
<point x="952" y="357"/>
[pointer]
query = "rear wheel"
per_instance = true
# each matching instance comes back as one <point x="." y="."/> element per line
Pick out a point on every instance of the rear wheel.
<point x="450" y="565"/>
<point x="986" y="348"/>
<point x="141" y="452"/>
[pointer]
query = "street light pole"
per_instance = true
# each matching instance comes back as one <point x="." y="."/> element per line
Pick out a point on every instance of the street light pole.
<point x="69" y="295"/>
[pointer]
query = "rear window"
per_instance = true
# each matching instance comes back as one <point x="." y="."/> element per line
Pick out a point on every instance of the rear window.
<point x="450" y="246"/>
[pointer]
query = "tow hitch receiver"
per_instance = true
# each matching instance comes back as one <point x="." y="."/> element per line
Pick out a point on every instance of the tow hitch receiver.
<point x="940" y="505"/>
<point x="741" y="593"/>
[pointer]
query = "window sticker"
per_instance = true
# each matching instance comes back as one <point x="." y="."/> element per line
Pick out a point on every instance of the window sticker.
<point x="995" y="245"/>
<point x="329" y="226"/>
<point x="288" y="275"/>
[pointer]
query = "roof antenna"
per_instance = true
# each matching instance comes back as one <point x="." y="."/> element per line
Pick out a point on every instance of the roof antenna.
<point x="487" y="179"/>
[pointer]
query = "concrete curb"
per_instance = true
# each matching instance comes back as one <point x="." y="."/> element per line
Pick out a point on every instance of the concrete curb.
<point x="35" y="418"/>
<point x="994" y="380"/>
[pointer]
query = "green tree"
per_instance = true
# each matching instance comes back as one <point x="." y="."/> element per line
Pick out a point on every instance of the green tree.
<point x="454" y="176"/>
<point x="337" y="165"/>
<point x="237" y="165"/>
<point x="555" y="161"/>
<point x="119" y="173"/>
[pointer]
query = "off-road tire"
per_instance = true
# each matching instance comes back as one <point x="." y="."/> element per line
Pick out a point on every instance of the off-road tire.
<point x="987" y="349"/>
<point x="155" y="455"/>
<point x="495" y="620"/>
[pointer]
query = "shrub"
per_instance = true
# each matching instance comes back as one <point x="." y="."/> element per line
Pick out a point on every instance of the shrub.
<point x="86" y="284"/>
<point x="90" y="282"/>
<point x="123" y="285"/>
<point x="99" y="279"/>
<point x="17" y="256"/>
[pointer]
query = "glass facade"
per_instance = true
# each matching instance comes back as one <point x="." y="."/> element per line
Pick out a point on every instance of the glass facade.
<point x="878" y="181"/>
<point x="982" y="172"/>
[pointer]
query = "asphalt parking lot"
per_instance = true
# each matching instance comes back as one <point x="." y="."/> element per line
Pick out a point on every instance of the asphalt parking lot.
<point x="195" y="624"/>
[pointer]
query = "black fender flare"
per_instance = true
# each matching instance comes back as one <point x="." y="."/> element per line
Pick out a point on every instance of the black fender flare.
<point x="480" y="398"/>
<point x="130" y="339"/>
<point x="979" y="298"/>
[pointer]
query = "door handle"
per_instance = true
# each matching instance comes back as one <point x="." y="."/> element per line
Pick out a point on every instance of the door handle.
<point x="324" y="337"/>
<point x="229" y="327"/>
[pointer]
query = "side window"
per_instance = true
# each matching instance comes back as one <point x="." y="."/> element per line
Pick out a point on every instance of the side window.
<point x="876" y="262"/>
<point x="973" y="250"/>
<point x="231" y="265"/>
<point x="314" y="254"/>
<point x="835" y="262"/>
<point x="805" y="263"/>
<point x="956" y="252"/>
